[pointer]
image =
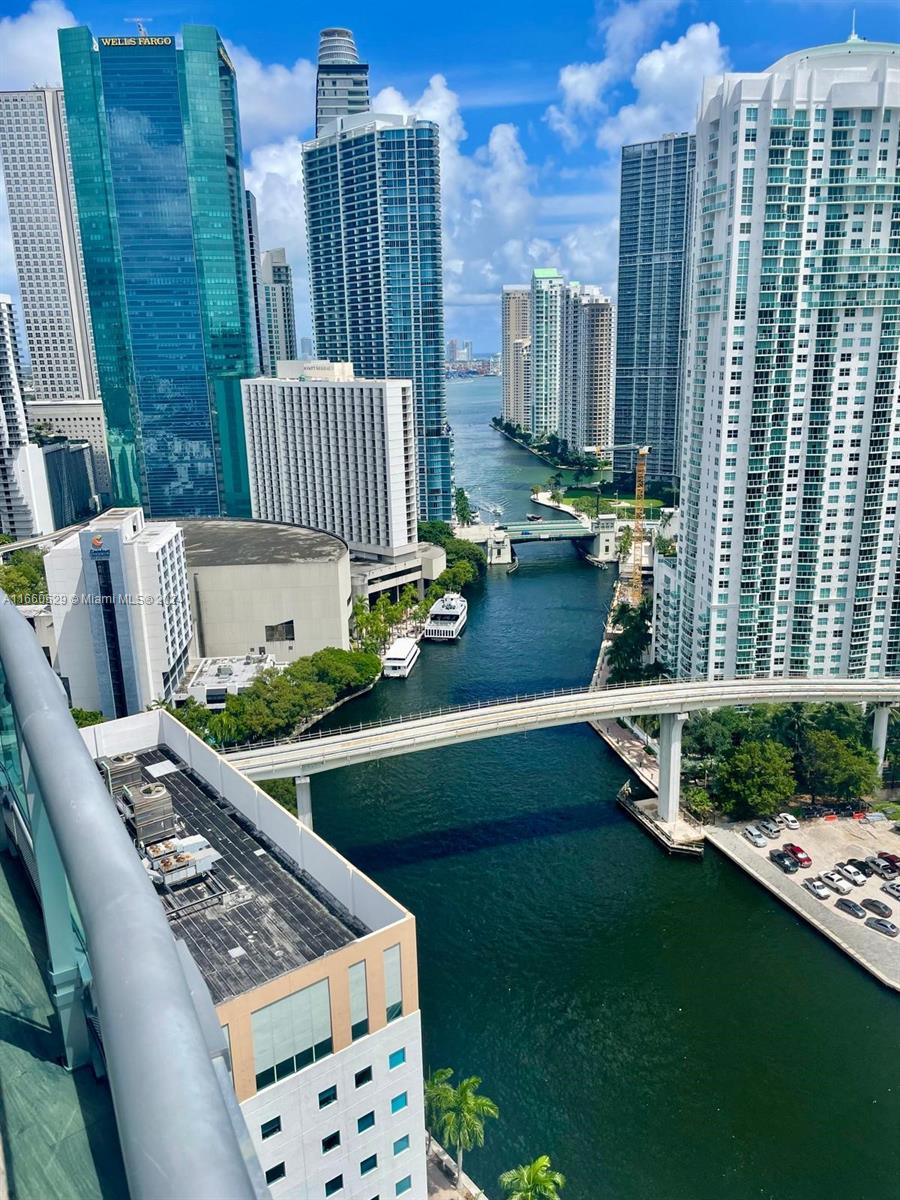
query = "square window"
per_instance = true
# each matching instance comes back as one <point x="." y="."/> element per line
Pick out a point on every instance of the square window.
<point x="363" y="1077"/>
<point x="275" y="1173"/>
<point x="368" y="1164"/>
<point x="331" y="1142"/>
<point x="329" y="1096"/>
<point x="403" y="1185"/>
<point x="366" y="1121"/>
<point x="397" y="1059"/>
<point x="399" y="1103"/>
<point x="401" y="1144"/>
<point x="333" y="1186"/>
<point x="270" y="1128"/>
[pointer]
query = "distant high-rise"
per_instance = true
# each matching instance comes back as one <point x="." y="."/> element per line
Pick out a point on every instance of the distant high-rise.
<point x="594" y="371"/>
<point x="278" y="293"/>
<point x="548" y="299"/>
<point x="34" y="154"/>
<point x="257" y="294"/>
<point x="154" y="137"/>
<point x="789" y="543"/>
<point x="654" y="226"/>
<point x="342" y="81"/>
<point x="373" y="216"/>
<point x="307" y="348"/>
<point x="515" y="321"/>
<point x="24" y="500"/>
<point x="452" y="350"/>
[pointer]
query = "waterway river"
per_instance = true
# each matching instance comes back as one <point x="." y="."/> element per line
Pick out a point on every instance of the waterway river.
<point x="662" y="1029"/>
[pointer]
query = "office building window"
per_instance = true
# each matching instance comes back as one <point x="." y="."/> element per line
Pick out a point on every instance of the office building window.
<point x="329" y="1096"/>
<point x="401" y="1144"/>
<point x="331" y="1142"/>
<point x="282" y="632"/>
<point x="403" y="1185"/>
<point x="359" y="1003"/>
<point x="399" y="1103"/>
<point x="275" y="1173"/>
<point x="291" y="1033"/>
<point x="366" y="1121"/>
<point x="363" y="1077"/>
<point x="270" y="1128"/>
<point x="393" y="984"/>
<point x="368" y="1164"/>
<point x="397" y="1058"/>
<point x="333" y="1186"/>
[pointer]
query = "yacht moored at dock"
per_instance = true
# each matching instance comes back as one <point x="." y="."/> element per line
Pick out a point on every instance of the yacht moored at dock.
<point x="400" y="658"/>
<point x="447" y="618"/>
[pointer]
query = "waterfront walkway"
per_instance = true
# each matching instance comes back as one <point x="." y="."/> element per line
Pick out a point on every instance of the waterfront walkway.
<point x="441" y="1171"/>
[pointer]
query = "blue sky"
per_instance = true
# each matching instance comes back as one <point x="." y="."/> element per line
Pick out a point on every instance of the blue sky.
<point x="532" y="110"/>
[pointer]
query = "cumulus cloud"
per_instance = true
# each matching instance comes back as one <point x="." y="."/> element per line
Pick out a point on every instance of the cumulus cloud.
<point x="276" y="101"/>
<point x="667" y="81"/>
<point x="273" y="174"/>
<point x="30" y="51"/>
<point x="633" y="24"/>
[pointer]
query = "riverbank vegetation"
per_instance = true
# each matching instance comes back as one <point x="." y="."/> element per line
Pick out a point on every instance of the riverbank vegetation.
<point x="22" y="575"/>
<point x="630" y="643"/>
<point x="552" y="448"/>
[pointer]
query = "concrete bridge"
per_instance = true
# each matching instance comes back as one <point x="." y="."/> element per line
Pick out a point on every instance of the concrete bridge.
<point x="672" y="701"/>
<point x="597" y="537"/>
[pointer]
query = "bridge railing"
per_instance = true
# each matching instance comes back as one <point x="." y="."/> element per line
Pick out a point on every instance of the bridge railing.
<point x="499" y="701"/>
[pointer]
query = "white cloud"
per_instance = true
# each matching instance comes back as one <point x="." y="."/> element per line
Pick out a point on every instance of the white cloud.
<point x="30" y="52"/>
<point x="273" y="173"/>
<point x="275" y="101"/>
<point x="667" y="81"/>
<point x="625" y="33"/>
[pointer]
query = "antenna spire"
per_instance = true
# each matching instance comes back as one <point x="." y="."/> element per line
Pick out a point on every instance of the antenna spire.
<point x="854" y="36"/>
<point x="139" y="21"/>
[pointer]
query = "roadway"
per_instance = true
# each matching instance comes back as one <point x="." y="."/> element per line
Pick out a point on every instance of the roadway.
<point x="340" y="748"/>
<point x="547" y="531"/>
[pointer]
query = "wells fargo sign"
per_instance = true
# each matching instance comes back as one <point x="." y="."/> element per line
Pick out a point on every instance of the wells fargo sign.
<point x="135" y="41"/>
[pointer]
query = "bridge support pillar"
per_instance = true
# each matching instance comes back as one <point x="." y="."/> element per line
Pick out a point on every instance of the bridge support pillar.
<point x="670" y="727"/>
<point x="879" y="733"/>
<point x="304" y="800"/>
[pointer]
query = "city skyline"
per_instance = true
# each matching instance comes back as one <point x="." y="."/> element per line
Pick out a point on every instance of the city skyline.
<point x="508" y="143"/>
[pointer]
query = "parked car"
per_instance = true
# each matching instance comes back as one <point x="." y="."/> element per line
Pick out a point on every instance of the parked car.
<point x="888" y="928"/>
<point x="850" y="873"/>
<point x="754" y="837"/>
<point x="817" y="888"/>
<point x="877" y="907"/>
<point x="892" y="890"/>
<point x="893" y="859"/>
<point x="788" y="821"/>
<point x="770" y="829"/>
<point x="851" y="907"/>
<point x="836" y="882"/>
<point x="788" y="864"/>
<point x="863" y="867"/>
<point x="882" y="868"/>
<point x="795" y="851"/>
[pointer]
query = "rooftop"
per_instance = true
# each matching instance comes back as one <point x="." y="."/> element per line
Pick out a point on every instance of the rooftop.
<point x="209" y="542"/>
<point x="225" y="672"/>
<point x="836" y="54"/>
<point x="262" y="915"/>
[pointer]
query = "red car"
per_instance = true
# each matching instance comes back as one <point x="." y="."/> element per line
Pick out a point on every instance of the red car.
<point x="801" y="856"/>
<point x="893" y="859"/>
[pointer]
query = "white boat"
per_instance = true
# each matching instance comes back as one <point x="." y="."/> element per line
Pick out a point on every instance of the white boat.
<point x="447" y="618"/>
<point x="400" y="658"/>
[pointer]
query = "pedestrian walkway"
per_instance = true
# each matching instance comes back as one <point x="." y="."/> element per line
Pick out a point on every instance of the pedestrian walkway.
<point x="442" y="1171"/>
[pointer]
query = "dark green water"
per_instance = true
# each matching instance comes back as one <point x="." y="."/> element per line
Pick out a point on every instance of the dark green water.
<point x="661" y="1028"/>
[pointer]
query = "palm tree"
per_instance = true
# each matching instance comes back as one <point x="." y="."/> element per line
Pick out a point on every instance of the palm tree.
<point x="533" y="1181"/>
<point x="438" y="1090"/>
<point x="462" y="1119"/>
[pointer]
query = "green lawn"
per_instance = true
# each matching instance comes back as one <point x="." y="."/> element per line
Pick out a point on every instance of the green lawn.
<point x="585" y="500"/>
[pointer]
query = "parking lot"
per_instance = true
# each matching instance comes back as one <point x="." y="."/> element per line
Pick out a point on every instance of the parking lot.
<point x="827" y="843"/>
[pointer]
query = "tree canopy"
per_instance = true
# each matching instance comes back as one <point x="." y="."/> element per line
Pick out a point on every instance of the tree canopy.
<point x="754" y="779"/>
<point x="23" y="578"/>
<point x="533" y="1181"/>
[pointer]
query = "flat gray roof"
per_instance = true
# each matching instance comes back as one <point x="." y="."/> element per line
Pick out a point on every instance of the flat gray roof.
<point x="210" y="542"/>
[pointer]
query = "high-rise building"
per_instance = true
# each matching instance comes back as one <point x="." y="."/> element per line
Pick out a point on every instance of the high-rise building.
<point x="335" y="453"/>
<point x="78" y="420"/>
<point x="452" y="350"/>
<point x="548" y="303"/>
<point x="307" y="349"/>
<point x="154" y="138"/>
<point x="257" y="295"/>
<point x="789" y="549"/>
<point x="278" y="293"/>
<point x="515" y="322"/>
<point x="34" y="154"/>
<point x="373" y="216"/>
<point x="594" y="371"/>
<point x="654" y="229"/>
<point x="119" y="597"/>
<point x="342" y="81"/>
<point x="24" y="500"/>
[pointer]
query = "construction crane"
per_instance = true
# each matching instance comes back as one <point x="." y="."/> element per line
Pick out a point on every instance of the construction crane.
<point x="635" y="586"/>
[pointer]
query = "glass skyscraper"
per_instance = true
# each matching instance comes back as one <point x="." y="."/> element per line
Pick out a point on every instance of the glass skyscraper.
<point x="155" y="145"/>
<point x="373" y="212"/>
<point x="654" y="221"/>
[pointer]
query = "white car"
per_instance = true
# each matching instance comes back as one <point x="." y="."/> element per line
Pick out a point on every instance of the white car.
<point x="851" y="874"/>
<point x="754" y="837"/>
<point x="787" y="821"/>
<point x="836" y="883"/>
<point x="817" y="888"/>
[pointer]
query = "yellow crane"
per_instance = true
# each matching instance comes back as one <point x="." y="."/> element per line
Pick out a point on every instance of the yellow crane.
<point x="637" y="539"/>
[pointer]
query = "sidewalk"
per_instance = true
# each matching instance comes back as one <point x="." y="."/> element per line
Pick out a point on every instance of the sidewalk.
<point x="440" y="1185"/>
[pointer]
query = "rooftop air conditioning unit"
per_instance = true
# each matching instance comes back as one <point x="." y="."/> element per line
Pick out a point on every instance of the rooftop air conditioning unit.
<point x="121" y="771"/>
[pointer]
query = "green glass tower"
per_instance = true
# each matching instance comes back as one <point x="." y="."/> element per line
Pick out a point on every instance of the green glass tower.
<point x="154" y="136"/>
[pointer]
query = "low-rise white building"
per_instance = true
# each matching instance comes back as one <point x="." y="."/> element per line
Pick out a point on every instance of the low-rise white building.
<point x="119" y="598"/>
